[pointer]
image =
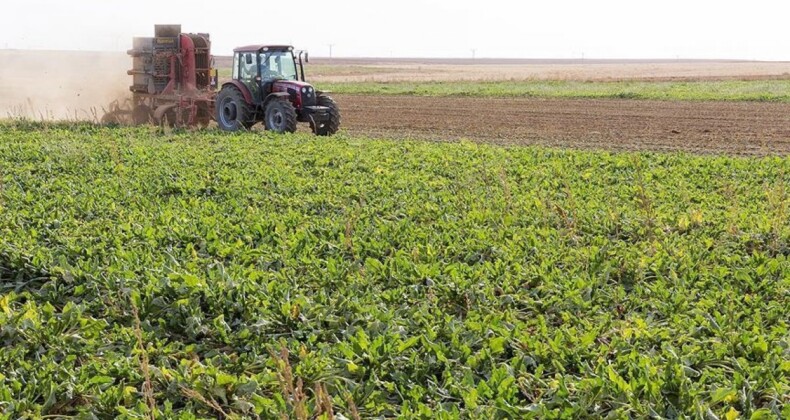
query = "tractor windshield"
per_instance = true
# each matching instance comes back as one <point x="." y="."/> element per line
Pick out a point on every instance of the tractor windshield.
<point x="277" y="65"/>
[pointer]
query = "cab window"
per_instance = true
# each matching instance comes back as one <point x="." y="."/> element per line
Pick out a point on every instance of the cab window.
<point x="277" y="65"/>
<point x="247" y="67"/>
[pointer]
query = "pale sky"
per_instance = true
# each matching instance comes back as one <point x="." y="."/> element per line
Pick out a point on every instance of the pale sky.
<point x="749" y="29"/>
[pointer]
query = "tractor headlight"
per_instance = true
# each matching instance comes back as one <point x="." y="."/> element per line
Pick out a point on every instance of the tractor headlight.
<point x="304" y="90"/>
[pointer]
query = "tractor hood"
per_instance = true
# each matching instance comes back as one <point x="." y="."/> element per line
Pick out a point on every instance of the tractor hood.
<point x="301" y="93"/>
<point x="293" y="84"/>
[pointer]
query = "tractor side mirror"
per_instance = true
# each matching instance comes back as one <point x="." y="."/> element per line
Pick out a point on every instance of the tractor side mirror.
<point x="306" y="57"/>
<point x="248" y="58"/>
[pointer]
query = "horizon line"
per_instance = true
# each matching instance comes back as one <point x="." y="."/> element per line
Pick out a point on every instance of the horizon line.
<point x="384" y="58"/>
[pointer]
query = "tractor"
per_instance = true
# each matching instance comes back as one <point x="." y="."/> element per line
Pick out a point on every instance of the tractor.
<point x="268" y="86"/>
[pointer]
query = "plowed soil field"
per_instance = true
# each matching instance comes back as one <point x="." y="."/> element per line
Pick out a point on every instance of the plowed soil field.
<point x="740" y="128"/>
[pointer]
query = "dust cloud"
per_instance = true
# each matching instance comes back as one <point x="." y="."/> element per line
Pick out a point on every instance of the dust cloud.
<point x="58" y="85"/>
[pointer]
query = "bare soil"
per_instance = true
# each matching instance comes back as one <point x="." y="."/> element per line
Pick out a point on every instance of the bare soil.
<point x="739" y="128"/>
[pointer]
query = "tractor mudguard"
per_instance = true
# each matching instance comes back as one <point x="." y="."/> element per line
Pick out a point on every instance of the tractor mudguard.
<point x="245" y="91"/>
<point x="275" y="95"/>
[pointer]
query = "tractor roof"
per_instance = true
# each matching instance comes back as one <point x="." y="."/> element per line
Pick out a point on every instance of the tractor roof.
<point x="256" y="48"/>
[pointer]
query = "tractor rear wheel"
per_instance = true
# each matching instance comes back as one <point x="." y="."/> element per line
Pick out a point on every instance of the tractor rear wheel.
<point x="332" y="125"/>
<point x="233" y="112"/>
<point x="280" y="116"/>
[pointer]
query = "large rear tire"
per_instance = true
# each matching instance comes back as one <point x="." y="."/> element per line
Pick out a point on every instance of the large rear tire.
<point x="280" y="116"/>
<point x="232" y="111"/>
<point x="331" y="126"/>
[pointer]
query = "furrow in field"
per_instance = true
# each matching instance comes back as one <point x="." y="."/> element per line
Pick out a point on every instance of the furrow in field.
<point x="748" y="128"/>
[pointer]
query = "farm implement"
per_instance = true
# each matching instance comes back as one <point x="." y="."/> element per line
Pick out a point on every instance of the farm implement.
<point x="173" y="81"/>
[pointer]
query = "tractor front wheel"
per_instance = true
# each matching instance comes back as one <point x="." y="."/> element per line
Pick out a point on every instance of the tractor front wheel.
<point x="280" y="116"/>
<point x="332" y="125"/>
<point x="233" y="112"/>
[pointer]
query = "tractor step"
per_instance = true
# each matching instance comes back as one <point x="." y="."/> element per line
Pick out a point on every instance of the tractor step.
<point x="315" y="113"/>
<point x="315" y="109"/>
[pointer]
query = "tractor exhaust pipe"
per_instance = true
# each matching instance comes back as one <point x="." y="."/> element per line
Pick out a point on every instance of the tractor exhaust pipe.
<point x="301" y="65"/>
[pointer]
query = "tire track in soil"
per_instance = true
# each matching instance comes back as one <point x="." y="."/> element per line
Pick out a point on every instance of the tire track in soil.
<point x="734" y="128"/>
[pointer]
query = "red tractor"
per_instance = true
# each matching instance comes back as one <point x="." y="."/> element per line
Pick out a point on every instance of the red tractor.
<point x="269" y="85"/>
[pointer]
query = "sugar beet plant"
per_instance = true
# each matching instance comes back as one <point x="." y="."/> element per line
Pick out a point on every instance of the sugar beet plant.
<point x="153" y="275"/>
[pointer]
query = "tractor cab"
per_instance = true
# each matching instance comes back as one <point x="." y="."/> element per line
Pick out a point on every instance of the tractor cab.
<point x="269" y="85"/>
<point x="259" y="67"/>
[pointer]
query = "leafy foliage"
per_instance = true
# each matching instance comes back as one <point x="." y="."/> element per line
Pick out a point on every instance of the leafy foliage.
<point x="200" y="275"/>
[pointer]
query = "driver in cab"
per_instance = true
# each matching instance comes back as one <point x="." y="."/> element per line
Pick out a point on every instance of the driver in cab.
<point x="267" y="72"/>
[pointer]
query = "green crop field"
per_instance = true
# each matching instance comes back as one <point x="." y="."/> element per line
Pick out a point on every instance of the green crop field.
<point x="715" y="90"/>
<point x="737" y="90"/>
<point x="192" y="275"/>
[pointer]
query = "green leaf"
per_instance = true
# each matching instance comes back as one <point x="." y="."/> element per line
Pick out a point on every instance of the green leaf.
<point x="621" y="384"/>
<point x="408" y="344"/>
<point x="5" y="302"/>
<point x="191" y="281"/>
<point x="100" y="380"/>
<point x="225" y="379"/>
<point x="760" y="346"/>
<point x="247" y="388"/>
<point x="722" y="394"/>
<point x="762" y="414"/>
<point x="497" y="345"/>
<point x="470" y="399"/>
<point x="362" y="340"/>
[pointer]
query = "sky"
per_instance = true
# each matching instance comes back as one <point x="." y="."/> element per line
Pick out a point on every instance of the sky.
<point x="748" y="29"/>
